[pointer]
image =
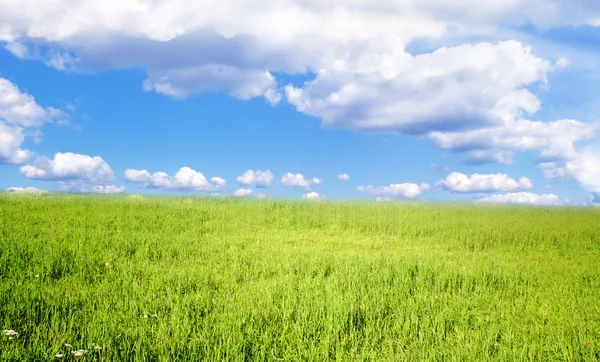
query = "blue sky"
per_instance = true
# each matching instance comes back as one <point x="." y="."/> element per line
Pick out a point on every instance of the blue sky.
<point x="501" y="104"/>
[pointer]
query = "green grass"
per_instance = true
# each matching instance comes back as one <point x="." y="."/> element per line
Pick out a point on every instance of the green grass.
<point x="279" y="280"/>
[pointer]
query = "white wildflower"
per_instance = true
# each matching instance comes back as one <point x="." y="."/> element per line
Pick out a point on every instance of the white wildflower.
<point x="59" y="355"/>
<point x="98" y="347"/>
<point x="10" y="332"/>
<point x="68" y="345"/>
<point x="80" y="352"/>
<point x="37" y="275"/>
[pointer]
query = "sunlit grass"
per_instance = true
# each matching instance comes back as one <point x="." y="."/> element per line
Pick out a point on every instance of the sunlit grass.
<point x="146" y="278"/>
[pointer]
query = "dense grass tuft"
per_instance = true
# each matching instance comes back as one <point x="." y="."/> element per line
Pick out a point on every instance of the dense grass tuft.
<point x="184" y="279"/>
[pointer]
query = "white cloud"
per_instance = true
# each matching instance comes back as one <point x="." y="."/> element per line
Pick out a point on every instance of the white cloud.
<point x="243" y="192"/>
<point x="82" y="186"/>
<point x="584" y="167"/>
<point x="459" y="182"/>
<point x="299" y="182"/>
<point x="26" y="190"/>
<point x="261" y="179"/>
<point x="312" y="196"/>
<point x="551" y="170"/>
<point x="522" y="198"/>
<point x="235" y="46"/>
<point x="439" y="91"/>
<point x="396" y="191"/>
<point x="343" y="177"/>
<point x="242" y="84"/>
<point x="11" y="138"/>
<point x="186" y="179"/>
<point x="21" y="117"/>
<point x="19" y="50"/>
<point x="69" y="166"/>
<point x="137" y="176"/>
<point x="20" y="109"/>
<point x="553" y="140"/>
<point x="108" y="189"/>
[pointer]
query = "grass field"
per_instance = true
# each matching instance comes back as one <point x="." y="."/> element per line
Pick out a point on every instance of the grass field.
<point x="183" y="279"/>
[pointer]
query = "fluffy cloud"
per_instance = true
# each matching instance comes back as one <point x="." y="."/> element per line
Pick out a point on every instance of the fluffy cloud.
<point x="312" y="196"/>
<point x="551" y="170"/>
<point x="459" y="182"/>
<point x="299" y="182"/>
<point x="11" y="138"/>
<point x="522" y="198"/>
<point x="343" y="177"/>
<point x="74" y="173"/>
<point x="179" y="83"/>
<point x="261" y="179"/>
<point x="69" y="166"/>
<point x="439" y="91"/>
<point x="26" y="190"/>
<point x="80" y="186"/>
<point x="236" y="47"/>
<point x="20" y="109"/>
<point x="584" y="167"/>
<point x="185" y="179"/>
<point x="243" y="192"/>
<point x="163" y="20"/>
<point x="553" y="140"/>
<point x="137" y="176"/>
<point x="21" y="116"/>
<point x="396" y="191"/>
<point x="108" y="189"/>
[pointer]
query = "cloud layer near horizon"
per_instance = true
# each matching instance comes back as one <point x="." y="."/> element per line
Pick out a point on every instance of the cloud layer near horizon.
<point x="475" y="97"/>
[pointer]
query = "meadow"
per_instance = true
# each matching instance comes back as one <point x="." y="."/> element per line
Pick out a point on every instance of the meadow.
<point x="189" y="279"/>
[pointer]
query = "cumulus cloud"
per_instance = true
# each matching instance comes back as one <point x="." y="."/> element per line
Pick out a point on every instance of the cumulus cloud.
<point x="396" y="191"/>
<point x="438" y="91"/>
<point x="186" y="179"/>
<point x="312" y="196"/>
<point x="243" y="192"/>
<point x="69" y="166"/>
<point x="261" y="179"/>
<point x="343" y="177"/>
<point x="25" y="190"/>
<point x="20" y="109"/>
<point x="11" y="138"/>
<point x="137" y="176"/>
<point x="21" y="116"/>
<point x="522" y="198"/>
<point x="236" y="47"/>
<point x="108" y="189"/>
<point x="459" y="182"/>
<point x="74" y="173"/>
<point x="553" y="140"/>
<point x="584" y="167"/>
<point x="299" y="182"/>
<point x="81" y="186"/>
